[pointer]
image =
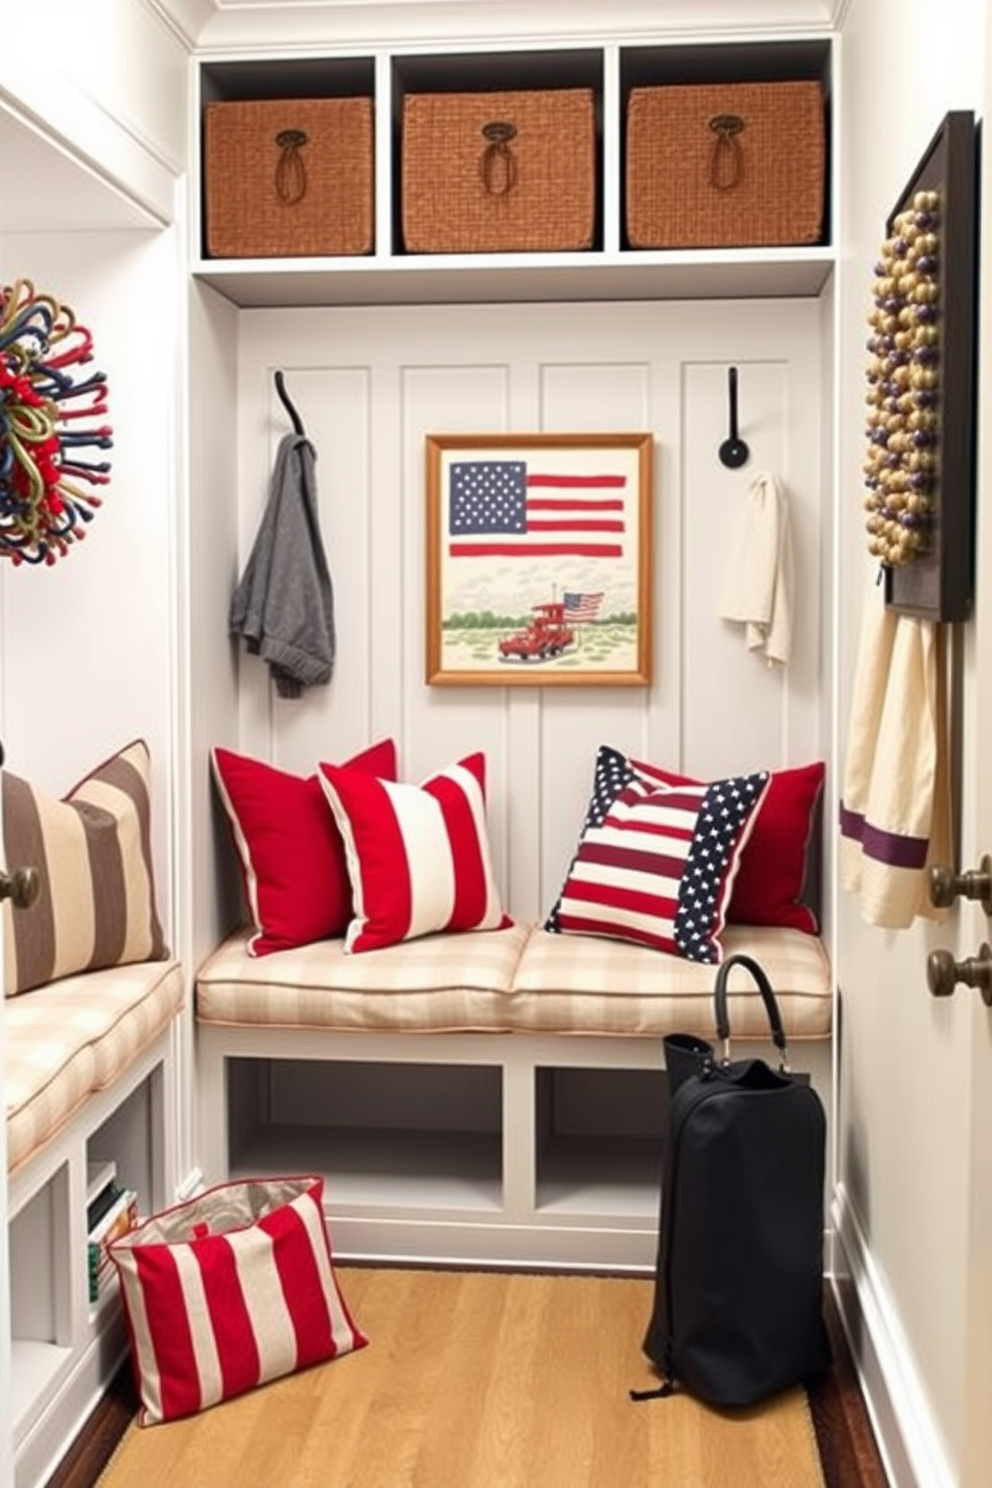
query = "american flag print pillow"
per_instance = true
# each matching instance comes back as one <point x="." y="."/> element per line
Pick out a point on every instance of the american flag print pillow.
<point x="655" y="863"/>
<point x="228" y="1290"/>
<point x="418" y="855"/>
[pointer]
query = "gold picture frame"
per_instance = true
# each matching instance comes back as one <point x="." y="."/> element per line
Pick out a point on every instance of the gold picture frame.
<point x="539" y="559"/>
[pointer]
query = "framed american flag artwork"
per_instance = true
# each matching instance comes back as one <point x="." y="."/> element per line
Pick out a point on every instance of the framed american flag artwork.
<point x="539" y="559"/>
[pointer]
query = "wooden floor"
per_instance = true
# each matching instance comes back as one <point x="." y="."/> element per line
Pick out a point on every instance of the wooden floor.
<point x="847" y="1450"/>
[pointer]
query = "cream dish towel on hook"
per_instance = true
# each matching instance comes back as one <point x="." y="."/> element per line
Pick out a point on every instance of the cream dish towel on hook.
<point x="758" y="586"/>
<point x="895" y="817"/>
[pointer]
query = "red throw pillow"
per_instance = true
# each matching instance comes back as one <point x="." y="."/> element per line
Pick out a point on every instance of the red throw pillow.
<point x="418" y="855"/>
<point x="292" y="857"/>
<point x="771" y="874"/>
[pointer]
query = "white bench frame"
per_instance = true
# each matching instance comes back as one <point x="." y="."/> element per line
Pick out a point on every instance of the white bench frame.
<point x="514" y="1228"/>
<point x="65" y="1348"/>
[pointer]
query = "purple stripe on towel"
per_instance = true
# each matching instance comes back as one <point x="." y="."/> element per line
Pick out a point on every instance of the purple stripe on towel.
<point x="885" y="847"/>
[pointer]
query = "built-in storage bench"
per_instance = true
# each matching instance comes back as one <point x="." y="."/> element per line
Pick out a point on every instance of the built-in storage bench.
<point x="487" y="1097"/>
<point x="88" y="1087"/>
<point x="453" y="1119"/>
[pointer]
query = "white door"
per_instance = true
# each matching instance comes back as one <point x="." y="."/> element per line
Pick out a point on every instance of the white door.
<point x="974" y="927"/>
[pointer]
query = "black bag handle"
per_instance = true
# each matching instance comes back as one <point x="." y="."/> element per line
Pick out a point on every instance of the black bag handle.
<point x="767" y="996"/>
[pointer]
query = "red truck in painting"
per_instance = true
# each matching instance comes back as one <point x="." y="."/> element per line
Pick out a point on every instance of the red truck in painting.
<point x="545" y="637"/>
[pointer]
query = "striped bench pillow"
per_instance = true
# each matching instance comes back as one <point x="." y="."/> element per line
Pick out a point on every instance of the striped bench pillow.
<point x="228" y="1290"/>
<point x="93" y="852"/>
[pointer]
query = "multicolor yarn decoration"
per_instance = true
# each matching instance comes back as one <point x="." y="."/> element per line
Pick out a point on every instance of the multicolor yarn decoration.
<point x="44" y="507"/>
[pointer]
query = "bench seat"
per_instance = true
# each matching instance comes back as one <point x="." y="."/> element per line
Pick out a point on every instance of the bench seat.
<point x="491" y="1097"/>
<point x="73" y="1037"/>
<point x="521" y="979"/>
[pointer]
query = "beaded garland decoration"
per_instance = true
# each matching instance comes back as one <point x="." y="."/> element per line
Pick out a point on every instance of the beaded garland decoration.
<point x="45" y="502"/>
<point x="903" y="385"/>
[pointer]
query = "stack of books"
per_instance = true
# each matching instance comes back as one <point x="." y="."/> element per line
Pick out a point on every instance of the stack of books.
<point x="111" y="1210"/>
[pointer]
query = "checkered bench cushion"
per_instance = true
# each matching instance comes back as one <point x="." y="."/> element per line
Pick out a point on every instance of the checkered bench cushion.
<point x="69" y="1038"/>
<point x="588" y="984"/>
<point x="437" y="984"/>
<point x="521" y="979"/>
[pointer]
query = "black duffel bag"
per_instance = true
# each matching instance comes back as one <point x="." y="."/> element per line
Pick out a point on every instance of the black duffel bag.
<point x="738" y="1306"/>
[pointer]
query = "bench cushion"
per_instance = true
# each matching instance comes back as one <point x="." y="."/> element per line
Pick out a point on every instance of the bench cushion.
<point x="436" y="984"/>
<point x="75" y="1036"/>
<point x="518" y="979"/>
<point x="584" y="984"/>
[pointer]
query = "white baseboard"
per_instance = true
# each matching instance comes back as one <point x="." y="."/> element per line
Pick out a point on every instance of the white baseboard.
<point x="912" y="1451"/>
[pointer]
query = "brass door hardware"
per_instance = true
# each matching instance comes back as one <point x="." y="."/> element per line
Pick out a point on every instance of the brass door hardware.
<point x="976" y="883"/>
<point x="944" y="973"/>
<point x="21" y="887"/>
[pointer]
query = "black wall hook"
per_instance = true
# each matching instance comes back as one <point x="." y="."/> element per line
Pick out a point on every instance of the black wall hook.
<point x="287" y="403"/>
<point x="733" y="451"/>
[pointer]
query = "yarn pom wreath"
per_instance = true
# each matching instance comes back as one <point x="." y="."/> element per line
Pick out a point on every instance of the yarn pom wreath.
<point x="50" y="415"/>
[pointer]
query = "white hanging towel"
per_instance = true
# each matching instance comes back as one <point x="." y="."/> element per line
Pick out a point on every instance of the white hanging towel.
<point x="758" y="586"/>
<point x="895" y="808"/>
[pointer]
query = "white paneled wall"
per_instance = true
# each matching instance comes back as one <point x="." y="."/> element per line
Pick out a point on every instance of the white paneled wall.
<point x="370" y="383"/>
<point x="88" y="648"/>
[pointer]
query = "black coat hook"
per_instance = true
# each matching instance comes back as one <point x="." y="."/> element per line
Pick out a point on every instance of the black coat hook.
<point x="733" y="451"/>
<point x="287" y="403"/>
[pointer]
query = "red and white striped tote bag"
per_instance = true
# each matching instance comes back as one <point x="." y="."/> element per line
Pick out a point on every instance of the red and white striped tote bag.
<point x="228" y="1290"/>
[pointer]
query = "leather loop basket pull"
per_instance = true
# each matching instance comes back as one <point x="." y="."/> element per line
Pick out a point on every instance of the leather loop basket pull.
<point x="291" y="168"/>
<point x="498" y="165"/>
<point x="727" y="159"/>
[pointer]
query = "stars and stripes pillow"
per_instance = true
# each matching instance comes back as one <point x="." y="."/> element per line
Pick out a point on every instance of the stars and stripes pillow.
<point x="418" y="855"/>
<point x="228" y="1290"/>
<point x="655" y="863"/>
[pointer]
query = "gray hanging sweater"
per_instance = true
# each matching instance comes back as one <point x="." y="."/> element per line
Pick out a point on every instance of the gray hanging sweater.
<point x="284" y="604"/>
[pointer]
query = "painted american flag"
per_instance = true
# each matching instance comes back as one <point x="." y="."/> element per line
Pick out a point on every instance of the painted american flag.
<point x="655" y="863"/>
<point x="511" y="509"/>
<point x="581" y="607"/>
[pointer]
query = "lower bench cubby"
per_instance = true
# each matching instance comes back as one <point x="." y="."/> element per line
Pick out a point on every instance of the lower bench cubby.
<point x="598" y="1137"/>
<point x="388" y="1136"/>
<point x="456" y="1148"/>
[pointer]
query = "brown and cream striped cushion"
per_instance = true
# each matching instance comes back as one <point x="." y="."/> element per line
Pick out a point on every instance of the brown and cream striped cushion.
<point x="93" y="852"/>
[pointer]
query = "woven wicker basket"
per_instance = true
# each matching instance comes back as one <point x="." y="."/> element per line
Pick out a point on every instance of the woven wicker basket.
<point x="288" y="177"/>
<point x="725" y="165"/>
<point x="499" y="172"/>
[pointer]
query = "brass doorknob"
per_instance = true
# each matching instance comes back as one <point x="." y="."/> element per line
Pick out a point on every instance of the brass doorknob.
<point x="944" y="973"/>
<point x="21" y="887"/>
<point x="975" y="883"/>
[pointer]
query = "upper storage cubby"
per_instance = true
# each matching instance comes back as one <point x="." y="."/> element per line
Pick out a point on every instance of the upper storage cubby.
<point x="286" y="156"/>
<point x="725" y="146"/>
<point x="497" y="153"/>
<point x="634" y="172"/>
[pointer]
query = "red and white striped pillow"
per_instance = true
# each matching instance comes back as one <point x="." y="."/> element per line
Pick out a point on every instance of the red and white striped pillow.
<point x="228" y="1290"/>
<point x="656" y="863"/>
<point x="418" y="855"/>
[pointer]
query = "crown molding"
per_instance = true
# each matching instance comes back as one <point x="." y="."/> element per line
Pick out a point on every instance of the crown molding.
<point x="212" y="25"/>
